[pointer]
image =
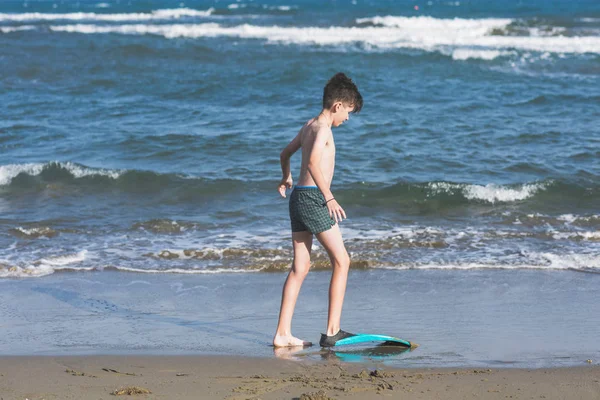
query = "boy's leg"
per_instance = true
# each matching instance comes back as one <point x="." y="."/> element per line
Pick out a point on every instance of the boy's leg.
<point x="332" y="241"/>
<point x="300" y="266"/>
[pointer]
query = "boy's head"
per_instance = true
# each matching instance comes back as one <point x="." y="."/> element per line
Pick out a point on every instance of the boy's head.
<point x="341" y="97"/>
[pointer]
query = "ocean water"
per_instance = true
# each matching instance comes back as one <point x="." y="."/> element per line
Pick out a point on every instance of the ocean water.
<point x="139" y="142"/>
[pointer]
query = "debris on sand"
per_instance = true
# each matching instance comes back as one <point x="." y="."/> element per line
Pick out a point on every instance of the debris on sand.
<point x="130" y="391"/>
<point x="76" y="373"/>
<point x="320" y="395"/>
<point x="114" y="371"/>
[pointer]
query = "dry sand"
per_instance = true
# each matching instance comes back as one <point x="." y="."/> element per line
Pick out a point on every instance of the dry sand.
<point x="222" y="377"/>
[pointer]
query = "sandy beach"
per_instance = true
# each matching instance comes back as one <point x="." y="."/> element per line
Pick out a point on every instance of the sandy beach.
<point x="222" y="377"/>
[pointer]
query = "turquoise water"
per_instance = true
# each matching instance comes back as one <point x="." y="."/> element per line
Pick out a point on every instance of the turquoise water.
<point x="141" y="139"/>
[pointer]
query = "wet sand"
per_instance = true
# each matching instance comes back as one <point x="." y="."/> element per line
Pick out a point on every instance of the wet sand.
<point x="224" y="377"/>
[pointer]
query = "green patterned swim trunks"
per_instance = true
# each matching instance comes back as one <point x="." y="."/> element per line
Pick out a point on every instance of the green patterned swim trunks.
<point x="308" y="211"/>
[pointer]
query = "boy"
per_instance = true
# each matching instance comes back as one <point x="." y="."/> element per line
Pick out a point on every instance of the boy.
<point x="314" y="210"/>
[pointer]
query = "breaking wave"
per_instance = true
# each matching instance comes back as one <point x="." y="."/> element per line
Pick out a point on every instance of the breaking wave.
<point x="589" y="263"/>
<point x="385" y="38"/>
<point x="67" y="177"/>
<point x="11" y="171"/>
<point x="156" y="15"/>
<point x="471" y="38"/>
<point x="43" y="267"/>
<point x="460" y="38"/>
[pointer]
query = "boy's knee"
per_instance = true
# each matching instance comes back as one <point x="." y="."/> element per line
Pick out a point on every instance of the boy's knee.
<point x="342" y="261"/>
<point x="301" y="268"/>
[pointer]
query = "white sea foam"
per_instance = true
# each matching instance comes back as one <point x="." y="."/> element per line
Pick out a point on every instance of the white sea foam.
<point x="570" y="218"/>
<point x="536" y="261"/>
<point x="547" y="31"/>
<point x="370" y="37"/>
<point x="351" y="233"/>
<point x="588" y="235"/>
<point x="25" y="272"/>
<point x="570" y="261"/>
<point x="450" y="236"/>
<point x="539" y="261"/>
<point x="495" y="193"/>
<point x="491" y="193"/>
<point x="462" y="266"/>
<point x="456" y="26"/>
<point x="45" y="266"/>
<point x="35" y="232"/>
<point x="440" y="26"/>
<point x="465" y="54"/>
<point x="61" y="261"/>
<point x="459" y="266"/>
<point x="10" y="29"/>
<point x="187" y="271"/>
<point x="10" y="171"/>
<point x="80" y="172"/>
<point x="166" y="14"/>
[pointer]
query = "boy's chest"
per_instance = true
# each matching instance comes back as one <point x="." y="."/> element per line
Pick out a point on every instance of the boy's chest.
<point x="330" y="147"/>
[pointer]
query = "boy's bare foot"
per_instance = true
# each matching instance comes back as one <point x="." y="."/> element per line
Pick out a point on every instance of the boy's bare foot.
<point x="289" y="341"/>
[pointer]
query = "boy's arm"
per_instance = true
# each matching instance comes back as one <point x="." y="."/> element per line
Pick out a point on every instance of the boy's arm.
<point x="284" y="158"/>
<point x="314" y="168"/>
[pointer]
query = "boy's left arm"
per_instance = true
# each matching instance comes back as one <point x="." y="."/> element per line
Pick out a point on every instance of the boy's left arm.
<point x="284" y="158"/>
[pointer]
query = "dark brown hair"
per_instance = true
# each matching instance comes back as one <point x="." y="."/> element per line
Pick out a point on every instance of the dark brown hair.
<point x="341" y="88"/>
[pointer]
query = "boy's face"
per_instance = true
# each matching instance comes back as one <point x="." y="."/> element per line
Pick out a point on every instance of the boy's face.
<point x="341" y="113"/>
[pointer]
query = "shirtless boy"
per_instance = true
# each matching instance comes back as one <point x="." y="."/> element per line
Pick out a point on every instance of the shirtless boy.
<point x="314" y="210"/>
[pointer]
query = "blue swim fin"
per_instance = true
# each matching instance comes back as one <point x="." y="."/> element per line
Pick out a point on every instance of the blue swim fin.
<point x="366" y="337"/>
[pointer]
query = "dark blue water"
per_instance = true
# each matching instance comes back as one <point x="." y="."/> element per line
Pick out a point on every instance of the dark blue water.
<point x="144" y="136"/>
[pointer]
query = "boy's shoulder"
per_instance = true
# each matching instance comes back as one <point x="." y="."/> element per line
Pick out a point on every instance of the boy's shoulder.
<point x="313" y="126"/>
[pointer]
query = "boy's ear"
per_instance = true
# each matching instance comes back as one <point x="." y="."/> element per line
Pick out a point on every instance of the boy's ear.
<point x="336" y="106"/>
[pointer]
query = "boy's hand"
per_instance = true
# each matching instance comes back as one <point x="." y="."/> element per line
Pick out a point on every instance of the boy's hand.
<point x="336" y="211"/>
<point x="286" y="183"/>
